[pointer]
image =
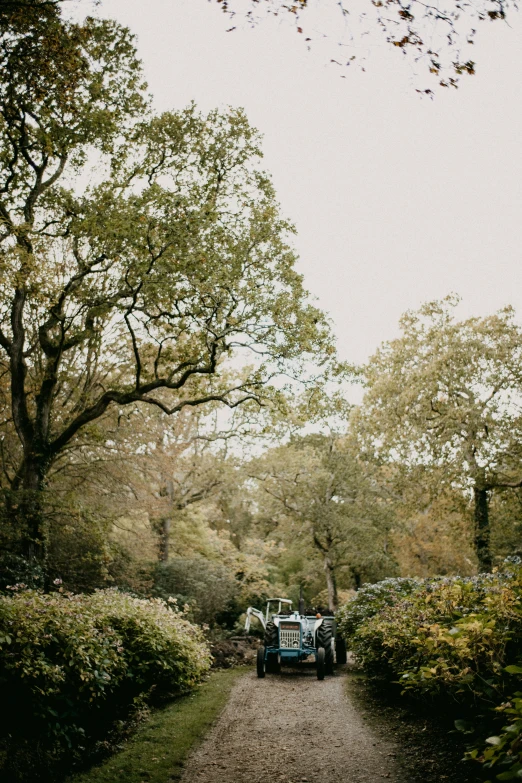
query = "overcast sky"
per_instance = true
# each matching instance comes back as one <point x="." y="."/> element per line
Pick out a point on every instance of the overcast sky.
<point x="397" y="199"/>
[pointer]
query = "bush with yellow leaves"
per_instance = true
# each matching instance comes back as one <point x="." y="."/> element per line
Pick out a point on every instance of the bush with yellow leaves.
<point x="454" y="639"/>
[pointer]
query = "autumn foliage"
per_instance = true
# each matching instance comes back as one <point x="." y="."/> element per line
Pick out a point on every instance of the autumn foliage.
<point x="454" y="641"/>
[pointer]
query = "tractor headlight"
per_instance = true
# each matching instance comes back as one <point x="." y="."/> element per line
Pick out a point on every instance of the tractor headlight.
<point x="296" y="643"/>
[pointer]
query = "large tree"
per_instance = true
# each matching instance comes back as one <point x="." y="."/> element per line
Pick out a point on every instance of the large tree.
<point x="319" y="493"/>
<point x="437" y="38"/>
<point x="446" y="394"/>
<point x="143" y="258"/>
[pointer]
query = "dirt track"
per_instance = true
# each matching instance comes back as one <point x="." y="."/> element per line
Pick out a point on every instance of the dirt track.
<point x="292" y="728"/>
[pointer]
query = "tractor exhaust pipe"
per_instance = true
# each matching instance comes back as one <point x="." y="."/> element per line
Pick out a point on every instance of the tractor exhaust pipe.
<point x="301" y="601"/>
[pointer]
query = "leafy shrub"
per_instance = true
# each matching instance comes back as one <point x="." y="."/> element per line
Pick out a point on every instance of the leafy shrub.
<point x="71" y="664"/>
<point x="79" y="552"/>
<point x="85" y="555"/>
<point x="161" y="648"/>
<point x="369" y="600"/>
<point x="455" y="639"/>
<point x="207" y="587"/>
<point x="15" y="570"/>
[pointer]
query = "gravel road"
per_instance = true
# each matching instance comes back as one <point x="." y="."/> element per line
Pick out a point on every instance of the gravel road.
<point x="291" y="728"/>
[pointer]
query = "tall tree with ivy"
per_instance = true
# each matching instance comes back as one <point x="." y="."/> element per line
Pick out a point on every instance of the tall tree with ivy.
<point x="446" y="394"/>
<point x="143" y="259"/>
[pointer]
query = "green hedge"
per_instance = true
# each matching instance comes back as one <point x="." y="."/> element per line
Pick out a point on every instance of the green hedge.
<point x="72" y="664"/>
<point x="370" y="600"/>
<point x="456" y="640"/>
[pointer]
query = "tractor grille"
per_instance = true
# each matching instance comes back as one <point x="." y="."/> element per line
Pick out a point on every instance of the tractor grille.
<point x="289" y="636"/>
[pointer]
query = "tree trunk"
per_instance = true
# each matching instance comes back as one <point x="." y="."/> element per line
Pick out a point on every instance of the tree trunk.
<point x="331" y="584"/>
<point x="165" y="522"/>
<point x="482" y="529"/>
<point x="165" y="539"/>
<point x="26" y="509"/>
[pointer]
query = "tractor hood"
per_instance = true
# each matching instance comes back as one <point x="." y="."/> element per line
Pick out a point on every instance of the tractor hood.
<point x="295" y="617"/>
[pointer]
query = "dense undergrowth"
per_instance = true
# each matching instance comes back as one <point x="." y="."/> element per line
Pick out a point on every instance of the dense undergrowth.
<point x="456" y="641"/>
<point x="74" y="668"/>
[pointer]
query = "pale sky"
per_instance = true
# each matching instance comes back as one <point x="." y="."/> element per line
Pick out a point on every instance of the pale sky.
<point x="397" y="199"/>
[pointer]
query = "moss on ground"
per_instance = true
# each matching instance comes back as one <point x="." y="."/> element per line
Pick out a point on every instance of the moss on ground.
<point x="159" y="748"/>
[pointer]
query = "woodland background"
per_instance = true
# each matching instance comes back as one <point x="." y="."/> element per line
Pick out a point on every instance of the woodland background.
<point x="176" y="441"/>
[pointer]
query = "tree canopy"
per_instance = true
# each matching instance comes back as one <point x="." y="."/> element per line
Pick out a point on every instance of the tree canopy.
<point x="325" y="497"/>
<point x="446" y="394"/>
<point x="437" y="37"/>
<point x="143" y="257"/>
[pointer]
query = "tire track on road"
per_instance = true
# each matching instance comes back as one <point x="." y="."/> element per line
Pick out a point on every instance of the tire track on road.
<point x="291" y="728"/>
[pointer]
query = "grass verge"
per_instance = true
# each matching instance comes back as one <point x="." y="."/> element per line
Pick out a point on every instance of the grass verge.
<point x="158" y="749"/>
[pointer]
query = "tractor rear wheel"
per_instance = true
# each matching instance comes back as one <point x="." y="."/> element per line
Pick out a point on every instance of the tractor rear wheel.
<point x="340" y="650"/>
<point x="271" y="637"/>
<point x="325" y="639"/>
<point x="320" y="661"/>
<point x="261" y="661"/>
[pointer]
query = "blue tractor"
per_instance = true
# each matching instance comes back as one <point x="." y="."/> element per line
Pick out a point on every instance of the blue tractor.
<point x="291" y="637"/>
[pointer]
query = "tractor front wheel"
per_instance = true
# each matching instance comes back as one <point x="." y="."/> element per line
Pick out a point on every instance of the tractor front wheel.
<point x="320" y="661"/>
<point x="261" y="661"/>
<point x="272" y="640"/>
<point x="272" y="663"/>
